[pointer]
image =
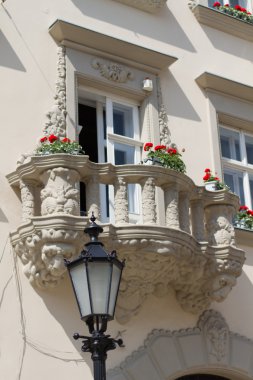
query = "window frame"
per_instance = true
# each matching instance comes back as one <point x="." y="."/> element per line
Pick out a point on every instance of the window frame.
<point x="230" y="165"/>
<point x="103" y="102"/>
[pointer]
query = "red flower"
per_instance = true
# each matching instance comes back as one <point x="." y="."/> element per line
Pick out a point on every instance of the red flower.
<point x="207" y="170"/>
<point x="226" y="5"/>
<point x="66" y="140"/>
<point x="160" y="147"/>
<point x="238" y="7"/>
<point x="206" y="177"/>
<point x="244" y="10"/>
<point x="248" y="13"/>
<point x="250" y="212"/>
<point x="172" y="151"/>
<point x="243" y="208"/>
<point x="52" y="138"/>
<point x="147" y="146"/>
<point x="43" y="139"/>
<point x="216" y="4"/>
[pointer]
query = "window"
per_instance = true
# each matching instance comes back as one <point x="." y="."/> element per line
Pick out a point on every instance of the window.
<point x="237" y="161"/>
<point x="243" y="3"/>
<point x="110" y="133"/>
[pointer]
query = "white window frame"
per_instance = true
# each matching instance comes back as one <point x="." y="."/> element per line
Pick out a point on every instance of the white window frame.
<point x="105" y="101"/>
<point x="242" y="166"/>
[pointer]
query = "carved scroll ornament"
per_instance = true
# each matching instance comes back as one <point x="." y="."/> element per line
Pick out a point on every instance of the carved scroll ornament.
<point x="112" y="71"/>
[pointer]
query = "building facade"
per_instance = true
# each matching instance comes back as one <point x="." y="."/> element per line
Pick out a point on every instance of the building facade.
<point x="114" y="75"/>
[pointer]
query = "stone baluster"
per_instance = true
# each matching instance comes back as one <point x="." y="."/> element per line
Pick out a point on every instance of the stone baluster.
<point x="120" y="201"/>
<point x="61" y="193"/>
<point x="184" y="208"/>
<point x="219" y="225"/>
<point x="148" y="201"/>
<point x="27" y="189"/>
<point x="198" y="217"/>
<point x="93" y="197"/>
<point x="171" y="206"/>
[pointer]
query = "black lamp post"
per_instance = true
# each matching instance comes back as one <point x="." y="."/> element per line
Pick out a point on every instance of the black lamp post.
<point x="95" y="277"/>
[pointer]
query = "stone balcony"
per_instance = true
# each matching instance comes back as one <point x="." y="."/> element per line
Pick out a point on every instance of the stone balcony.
<point x="184" y="237"/>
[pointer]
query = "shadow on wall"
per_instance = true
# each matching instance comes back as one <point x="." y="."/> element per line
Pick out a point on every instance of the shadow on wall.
<point x="3" y="218"/>
<point x="178" y="103"/>
<point x="9" y="58"/>
<point x="229" y="44"/>
<point x="62" y="305"/>
<point x="161" y="26"/>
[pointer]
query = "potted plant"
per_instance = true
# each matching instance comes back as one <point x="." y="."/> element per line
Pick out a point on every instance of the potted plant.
<point x="244" y="218"/>
<point x="237" y="11"/>
<point x="53" y="144"/>
<point x="163" y="156"/>
<point x="212" y="182"/>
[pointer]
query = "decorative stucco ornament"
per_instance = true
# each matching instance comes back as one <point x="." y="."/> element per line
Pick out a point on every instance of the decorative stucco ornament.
<point x="112" y="71"/>
<point x="216" y="333"/>
<point x="43" y="250"/>
<point x="163" y="118"/>
<point x="192" y="3"/>
<point x="189" y="244"/>
<point x="210" y="347"/>
<point x="56" y="123"/>
<point x="61" y="192"/>
<point x="145" y="5"/>
<point x="219" y="225"/>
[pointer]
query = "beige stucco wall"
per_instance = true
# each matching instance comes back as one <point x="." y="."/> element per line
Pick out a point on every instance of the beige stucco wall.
<point x="36" y="326"/>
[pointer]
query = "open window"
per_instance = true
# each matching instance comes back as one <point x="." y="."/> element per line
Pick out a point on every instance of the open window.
<point x="110" y="133"/>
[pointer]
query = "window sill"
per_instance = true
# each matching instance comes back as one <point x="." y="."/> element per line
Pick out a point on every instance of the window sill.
<point x="147" y="6"/>
<point x="223" y="22"/>
<point x="243" y="236"/>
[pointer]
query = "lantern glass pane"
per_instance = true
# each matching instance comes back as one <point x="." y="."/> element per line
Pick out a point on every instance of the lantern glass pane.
<point x="79" y="280"/>
<point x="114" y="288"/>
<point x="99" y="278"/>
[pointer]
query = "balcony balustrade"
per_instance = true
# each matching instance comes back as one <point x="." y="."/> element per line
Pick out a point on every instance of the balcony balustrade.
<point x="184" y="237"/>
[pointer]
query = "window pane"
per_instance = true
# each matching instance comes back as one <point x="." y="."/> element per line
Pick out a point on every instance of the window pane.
<point x="234" y="180"/>
<point x="251" y="191"/>
<point x="123" y="120"/>
<point x="242" y="3"/>
<point x="124" y="154"/>
<point x="229" y="181"/>
<point x="249" y="149"/>
<point x="241" y="191"/>
<point x="230" y="146"/>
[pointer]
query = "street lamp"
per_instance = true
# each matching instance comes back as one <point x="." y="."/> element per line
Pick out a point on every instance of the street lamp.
<point x="95" y="277"/>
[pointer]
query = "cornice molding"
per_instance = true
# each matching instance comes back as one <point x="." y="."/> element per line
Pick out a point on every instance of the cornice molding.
<point x="210" y="81"/>
<point x="150" y="6"/>
<point x="222" y="21"/>
<point x="66" y="34"/>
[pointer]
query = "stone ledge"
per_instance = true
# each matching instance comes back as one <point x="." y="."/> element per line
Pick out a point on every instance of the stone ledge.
<point x="150" y="6"/>
<point x="223" y="22"/>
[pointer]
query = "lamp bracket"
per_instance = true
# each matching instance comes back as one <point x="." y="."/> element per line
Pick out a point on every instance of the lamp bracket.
<point x="98" y="344"/>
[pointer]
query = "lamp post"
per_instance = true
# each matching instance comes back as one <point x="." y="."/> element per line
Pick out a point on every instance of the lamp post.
<point x="95" y="277"/>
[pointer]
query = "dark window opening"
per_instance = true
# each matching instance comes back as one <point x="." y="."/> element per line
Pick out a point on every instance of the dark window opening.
<point x="87" y="118"/>
<point x="202" y="377"/>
